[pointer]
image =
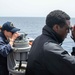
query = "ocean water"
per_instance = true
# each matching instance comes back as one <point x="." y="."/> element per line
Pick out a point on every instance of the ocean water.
<point x="33" y="27"/>
<point x="30" y="25"/>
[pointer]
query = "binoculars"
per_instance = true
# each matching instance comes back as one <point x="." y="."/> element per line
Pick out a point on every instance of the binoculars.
<point x="72" y="28"/>
<point x="73" y="51"/>
<point x="20" y="37"/>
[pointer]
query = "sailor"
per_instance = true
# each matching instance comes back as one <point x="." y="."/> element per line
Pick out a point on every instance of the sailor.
<point x="8" y="35"/>
<point x="47" y="57"/>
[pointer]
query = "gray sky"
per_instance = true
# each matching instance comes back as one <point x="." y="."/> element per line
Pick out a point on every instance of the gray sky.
<point x="35" y="8"/>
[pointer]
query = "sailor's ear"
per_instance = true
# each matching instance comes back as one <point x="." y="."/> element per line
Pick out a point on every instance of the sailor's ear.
<point x="56" y="27"/>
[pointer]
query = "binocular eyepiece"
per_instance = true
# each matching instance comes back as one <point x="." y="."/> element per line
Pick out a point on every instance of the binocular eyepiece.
<point x="20" y="37"/>
<point x="72" y="28"/>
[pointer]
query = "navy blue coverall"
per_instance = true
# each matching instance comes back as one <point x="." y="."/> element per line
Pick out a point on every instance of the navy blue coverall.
<point x="5" y="49"/>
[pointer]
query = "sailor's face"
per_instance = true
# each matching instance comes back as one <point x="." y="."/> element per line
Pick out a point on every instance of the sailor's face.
<point x="63" y="31"/>
<point x="8" y="34"/>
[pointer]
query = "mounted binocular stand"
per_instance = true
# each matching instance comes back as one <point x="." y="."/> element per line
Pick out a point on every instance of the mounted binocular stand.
<point x="17" y="60"/>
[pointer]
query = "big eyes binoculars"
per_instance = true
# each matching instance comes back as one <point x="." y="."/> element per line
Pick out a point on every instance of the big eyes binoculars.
<point x="72" y="28"/>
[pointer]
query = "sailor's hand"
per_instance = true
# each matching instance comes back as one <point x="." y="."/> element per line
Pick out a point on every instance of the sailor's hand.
<point x="12" y="39"/>
<point x="73" y="33"/>
<point x="15" y="35"/>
